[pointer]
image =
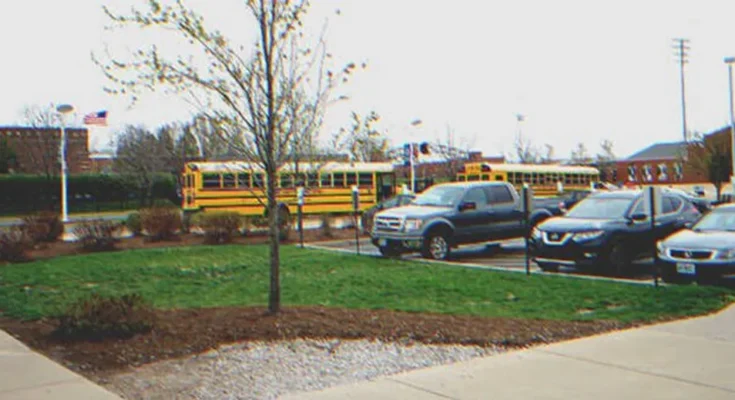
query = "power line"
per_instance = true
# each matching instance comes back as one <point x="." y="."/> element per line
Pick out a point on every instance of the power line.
<point x="681" y="46"/>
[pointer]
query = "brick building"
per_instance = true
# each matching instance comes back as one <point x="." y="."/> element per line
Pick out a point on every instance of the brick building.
<point x="658" y="163"/>
<point x="36" y="150"/>
<point x="679" y="163"/>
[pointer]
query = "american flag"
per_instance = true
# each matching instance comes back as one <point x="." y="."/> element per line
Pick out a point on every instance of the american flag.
<point x="96" y="118"/>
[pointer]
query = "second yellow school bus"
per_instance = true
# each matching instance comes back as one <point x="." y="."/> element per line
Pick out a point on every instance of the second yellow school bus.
<point x="240" y="186"/>
<point x="545" y="179"/>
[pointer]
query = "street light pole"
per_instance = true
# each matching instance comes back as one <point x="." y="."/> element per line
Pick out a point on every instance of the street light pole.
<point x="411" y="158"/>
<point x="729" y="61"/>
<point x="63" y="109"/>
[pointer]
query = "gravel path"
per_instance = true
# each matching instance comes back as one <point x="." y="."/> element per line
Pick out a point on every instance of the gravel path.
<point x="259" y="370"/>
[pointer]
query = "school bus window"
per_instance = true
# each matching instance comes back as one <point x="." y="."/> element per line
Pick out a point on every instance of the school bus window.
<point x="498" y="177"/>
<point x="365" y="179"/>
<point x="351" y="178"/>
<point x="568" y="179"/>
<point x="243" y="179"/>
<point x="210" y="181"/>
<point x="286" y="180"/>
<point x="258" y="180"/>
<point x="485" y="177"/>
<point x="326" y="180"/>
<point x="339" y="179"/>
<point x="312" y="179"/>
<point x="473" y="177"/>
<point x="228" y="180"/>
<point x="527" y="178"/>
<point x="534" y="178"/>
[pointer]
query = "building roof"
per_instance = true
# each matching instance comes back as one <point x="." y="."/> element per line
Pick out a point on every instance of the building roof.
<point x="660" y="151"/>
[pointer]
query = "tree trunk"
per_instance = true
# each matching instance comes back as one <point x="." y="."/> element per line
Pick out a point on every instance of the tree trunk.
<point x="268" y="42"/>
<point x="274" y="297"/>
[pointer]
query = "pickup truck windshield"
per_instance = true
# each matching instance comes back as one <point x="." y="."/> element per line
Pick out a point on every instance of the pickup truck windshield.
<point x="605" y="208"/>
<point x="440" y="196"/>
<point x="716" y="221"/>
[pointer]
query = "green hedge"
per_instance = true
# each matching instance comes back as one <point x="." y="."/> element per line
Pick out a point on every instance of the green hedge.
<point x="89" y="192"/>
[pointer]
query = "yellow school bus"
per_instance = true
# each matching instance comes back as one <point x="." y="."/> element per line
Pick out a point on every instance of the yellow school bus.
<point x="546" y="180"/>
<point x="240" y="186"/>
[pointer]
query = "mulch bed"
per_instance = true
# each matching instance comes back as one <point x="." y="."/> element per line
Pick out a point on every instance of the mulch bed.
<point x="180" y="333"/>
<point x="56" y="249"/>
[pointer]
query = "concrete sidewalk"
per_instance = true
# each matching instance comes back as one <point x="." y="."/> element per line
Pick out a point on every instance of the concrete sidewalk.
<point x="27" y="375"/>
<point x="690" y="359"/>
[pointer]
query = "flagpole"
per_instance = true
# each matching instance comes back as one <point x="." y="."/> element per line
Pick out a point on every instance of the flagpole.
<point x="63" y="109"/>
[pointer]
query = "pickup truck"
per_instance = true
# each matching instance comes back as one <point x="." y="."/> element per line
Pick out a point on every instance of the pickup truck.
<point x="448" y="215"/>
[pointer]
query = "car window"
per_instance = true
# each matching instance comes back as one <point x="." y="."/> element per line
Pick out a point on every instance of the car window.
<point x="600" y="208"/>
<point x="676" y="203"/>
<point x="498" y="194"/>
<point x="406" y="200"/>
<point x="476" y="195"/>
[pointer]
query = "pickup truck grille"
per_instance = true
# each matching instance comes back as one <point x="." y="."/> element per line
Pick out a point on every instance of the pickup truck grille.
<point x="690" y="254"/>
<point x="388" y="224"/>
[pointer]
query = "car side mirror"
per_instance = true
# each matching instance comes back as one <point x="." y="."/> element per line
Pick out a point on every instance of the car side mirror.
<point x="467" y="205"/>
<point x="639" y="217"/>
<point x="688" y="225"/>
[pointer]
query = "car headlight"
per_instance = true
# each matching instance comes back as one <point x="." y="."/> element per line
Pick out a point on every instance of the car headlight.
<point x="536" y="233"/>
<point x="413" y="224"/>
<point x="726" y="254"/>
<point x="585" y="236"/>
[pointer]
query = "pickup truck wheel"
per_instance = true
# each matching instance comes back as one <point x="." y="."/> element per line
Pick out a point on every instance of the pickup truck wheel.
<point x="436" y="246"/>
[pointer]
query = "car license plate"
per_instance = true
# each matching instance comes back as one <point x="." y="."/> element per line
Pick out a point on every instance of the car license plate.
<point x="382" y="242"/>
<point x="686" y="268"/>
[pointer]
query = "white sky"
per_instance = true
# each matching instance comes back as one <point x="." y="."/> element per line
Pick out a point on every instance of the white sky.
<point x="578" y="70"/>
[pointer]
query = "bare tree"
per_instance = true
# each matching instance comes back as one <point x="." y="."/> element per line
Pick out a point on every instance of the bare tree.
<point x="580" y="155"/>
<point x="140" y="155"/>
<point x="452" y="151"/>
<point x="709" y="158"/>
<point x="363" y="141"/>
<point x="605" y="160"/>
<point x="525" y="151"/>
<point x="246" y="92"/>
<point x="40" y="150"/>
<point x="548" y="156"/>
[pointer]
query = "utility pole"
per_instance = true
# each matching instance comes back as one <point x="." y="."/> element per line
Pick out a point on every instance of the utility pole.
<point x="681" y="46"/>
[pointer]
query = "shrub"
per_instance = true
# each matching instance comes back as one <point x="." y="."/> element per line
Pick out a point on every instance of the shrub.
<point x="220" y="227"/>
<point x="133" y="223"/>
<point x="43" y="227"/>
<point x="99" y="317"/>
<point x="97" y="235"/>
<point x="14" y="244"/>
<point x="161" y="223"/>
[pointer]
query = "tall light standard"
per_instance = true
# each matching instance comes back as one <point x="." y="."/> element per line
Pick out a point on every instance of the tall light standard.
<point x="730" y="61"/>
<point x="63" y="109"/>
<point x="411" y="157"/>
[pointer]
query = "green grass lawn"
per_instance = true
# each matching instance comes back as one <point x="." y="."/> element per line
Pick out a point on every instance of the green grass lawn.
<point x="208" y="276"/>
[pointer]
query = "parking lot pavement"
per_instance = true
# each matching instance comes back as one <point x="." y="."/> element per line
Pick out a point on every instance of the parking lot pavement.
<point x="506" y="256"/>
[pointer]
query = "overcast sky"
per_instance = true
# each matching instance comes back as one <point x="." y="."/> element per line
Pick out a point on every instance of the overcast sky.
<point x="580" y="71"/>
